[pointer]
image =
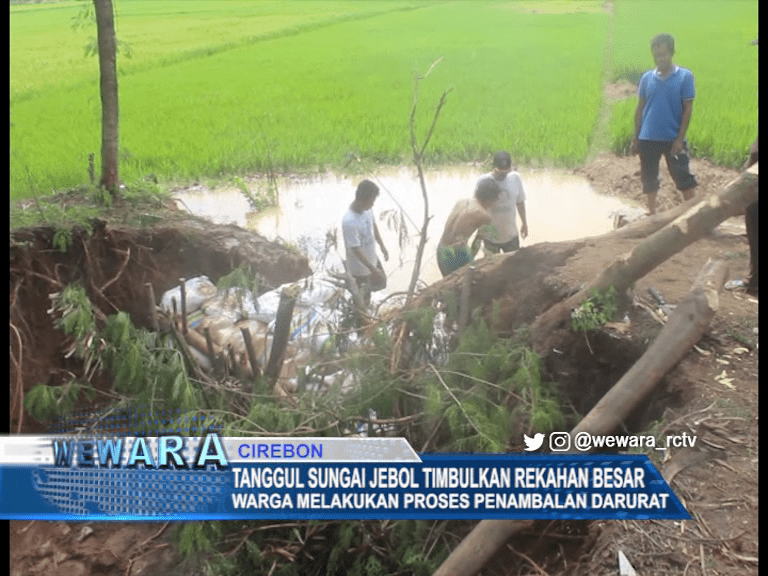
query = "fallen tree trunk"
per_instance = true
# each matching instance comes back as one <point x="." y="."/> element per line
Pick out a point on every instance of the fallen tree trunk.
<point x="684" y="328"/>
<point x="536" y="284"/>
<point x="625" y="271"/>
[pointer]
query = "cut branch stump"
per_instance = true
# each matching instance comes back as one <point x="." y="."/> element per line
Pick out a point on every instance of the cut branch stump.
<point x="280" y="338"/>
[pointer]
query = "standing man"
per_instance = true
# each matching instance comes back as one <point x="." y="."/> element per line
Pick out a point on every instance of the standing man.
<point x="502" y="235"/>
<point x="360" y="232"/>
<point x="664" y="105"/>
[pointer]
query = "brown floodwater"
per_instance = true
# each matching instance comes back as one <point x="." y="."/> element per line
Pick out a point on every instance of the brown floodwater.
<point x="560" y="206"/>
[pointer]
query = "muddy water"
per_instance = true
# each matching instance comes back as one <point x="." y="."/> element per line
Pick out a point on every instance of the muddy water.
<point x="559" y="205"/>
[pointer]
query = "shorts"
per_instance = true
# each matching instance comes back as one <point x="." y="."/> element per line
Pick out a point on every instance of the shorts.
<point x="650" y="155"/>
<point x="450" y="258"/>
<point x="494" y="248"/>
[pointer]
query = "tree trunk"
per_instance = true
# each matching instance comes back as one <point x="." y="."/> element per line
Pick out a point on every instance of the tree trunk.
<point x="534" y="285"/>
<point x="686" y="325"/>
<point x="626" y="270"/>
<point x="105" y="24"/>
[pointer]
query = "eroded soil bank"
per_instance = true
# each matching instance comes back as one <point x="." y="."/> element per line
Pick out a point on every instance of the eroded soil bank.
<point x="115" y="264"/>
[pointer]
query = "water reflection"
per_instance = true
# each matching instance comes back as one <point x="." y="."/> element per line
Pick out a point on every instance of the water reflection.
<point x="560" y="206"/>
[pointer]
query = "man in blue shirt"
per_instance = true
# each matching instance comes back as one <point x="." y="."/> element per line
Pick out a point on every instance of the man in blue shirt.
<point x="664" y="104"/>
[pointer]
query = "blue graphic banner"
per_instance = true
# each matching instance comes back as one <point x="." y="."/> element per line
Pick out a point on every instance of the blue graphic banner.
<point x="188" y="479"/>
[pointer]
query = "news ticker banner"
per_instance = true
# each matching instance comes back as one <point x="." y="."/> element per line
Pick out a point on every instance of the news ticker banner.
<point x="179" y="478"/>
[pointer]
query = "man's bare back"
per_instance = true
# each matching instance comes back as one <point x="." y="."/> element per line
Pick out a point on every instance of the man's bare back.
<point x="466" y="217"/>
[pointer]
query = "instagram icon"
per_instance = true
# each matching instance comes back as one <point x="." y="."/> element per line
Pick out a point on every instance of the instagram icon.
<point x="559" y="441"/>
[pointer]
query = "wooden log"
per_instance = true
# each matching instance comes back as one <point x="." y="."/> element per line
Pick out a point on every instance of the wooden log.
<point x="255" y="368"/>
<point x="199" y="341"/>
<point x="152" y="306"/>
<point x="644" y="227"/>
<point x="214" y="353"/>
<point x="192" y="366"/>
<point x="235" y="369"/>
<point x="183" y="288"/>
<point x="479" y="546"/>
<point x="684" y="328"/>
<point x="209" y="344"/>
<point x="657" y="248"/>
<point x="280" y="338"/>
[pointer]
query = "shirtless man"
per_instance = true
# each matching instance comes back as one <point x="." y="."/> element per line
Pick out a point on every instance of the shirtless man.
<point x="466" y="217"/>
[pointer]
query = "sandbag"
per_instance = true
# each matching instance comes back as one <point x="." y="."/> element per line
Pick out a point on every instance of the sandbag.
<point x="234" y="304"/>
<point x="197" y="291"/>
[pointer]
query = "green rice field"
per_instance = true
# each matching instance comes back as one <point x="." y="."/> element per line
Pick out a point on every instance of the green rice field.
<point x="212" y="88"/>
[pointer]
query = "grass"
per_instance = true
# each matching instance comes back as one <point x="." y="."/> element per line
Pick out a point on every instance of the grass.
<point x="49" y="52"/>
<point x="225" y="87"/>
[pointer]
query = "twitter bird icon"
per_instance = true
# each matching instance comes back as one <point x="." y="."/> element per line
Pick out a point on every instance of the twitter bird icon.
<point x="534" y="443"/>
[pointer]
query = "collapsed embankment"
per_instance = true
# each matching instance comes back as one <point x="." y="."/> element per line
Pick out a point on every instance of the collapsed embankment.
<point x="114" y="264"/>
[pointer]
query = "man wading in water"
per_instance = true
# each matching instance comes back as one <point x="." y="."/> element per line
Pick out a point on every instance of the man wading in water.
<point x="359" y="229"/>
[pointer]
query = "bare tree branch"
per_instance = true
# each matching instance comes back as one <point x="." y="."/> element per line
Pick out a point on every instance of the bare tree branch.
<point x="418" y="153"/>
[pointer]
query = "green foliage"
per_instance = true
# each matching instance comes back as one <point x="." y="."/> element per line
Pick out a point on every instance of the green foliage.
<point x="100" y="195"/>
<point x="243" y="278"/>
<point x="143" y="364"/>
<point x="197" y="536"/>
<point x="268" y="415"/>
<point x="79" y="207"/>
<point x="263" y="198"/>
<point x="60" y="212"/>
<point x="44" y="402"/>
<point x="62" y="239"/>
<point x="77" y="317"/>
<point x="421" y="321"/>
<point x="595" y="311"/>
<point x="488" y="385"/>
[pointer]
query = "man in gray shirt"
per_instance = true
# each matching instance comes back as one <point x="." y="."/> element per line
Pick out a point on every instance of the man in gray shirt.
<point x="359" y="230"/>
<point x="502" y="235"/>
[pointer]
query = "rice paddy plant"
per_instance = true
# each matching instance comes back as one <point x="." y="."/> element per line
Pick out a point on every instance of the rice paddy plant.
<point x="48" y="45"/>
<point x="521" y="81"/>
<point x="712" y="39"/>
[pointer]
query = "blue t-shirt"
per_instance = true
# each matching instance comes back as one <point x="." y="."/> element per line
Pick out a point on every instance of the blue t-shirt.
<point x="664" y="98"/>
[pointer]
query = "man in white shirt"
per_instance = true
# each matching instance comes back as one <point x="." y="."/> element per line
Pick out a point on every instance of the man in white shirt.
<point x="359" y="229"/>
<point x="502" y="234"/>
